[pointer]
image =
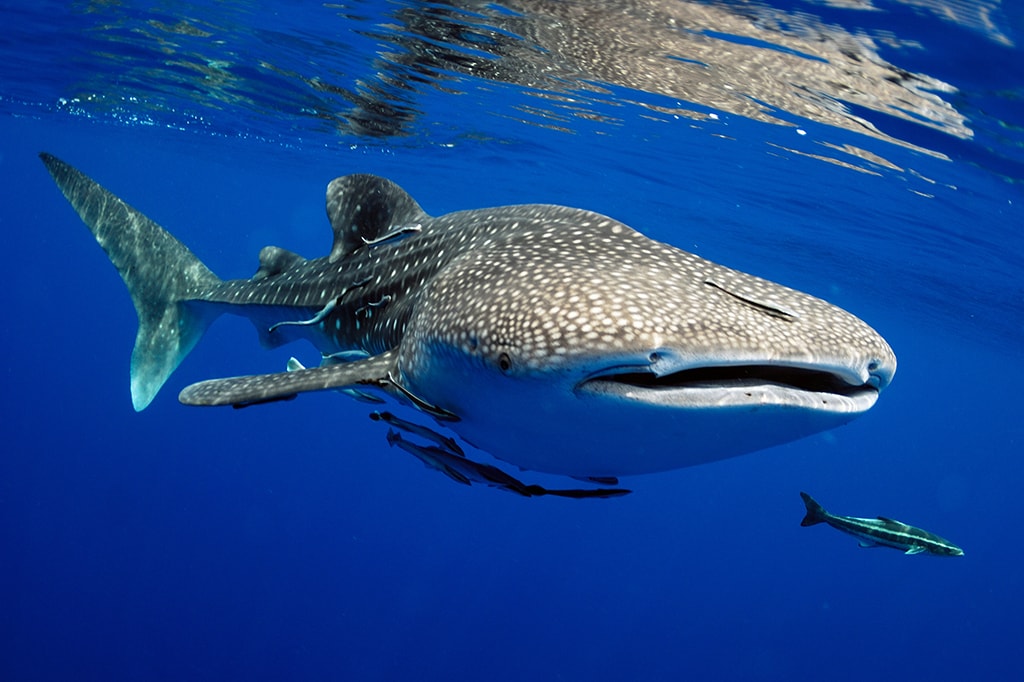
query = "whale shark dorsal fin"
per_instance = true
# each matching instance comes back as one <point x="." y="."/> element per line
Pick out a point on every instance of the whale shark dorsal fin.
<point x="367" y="209"/>
<point x="265" y="388"/>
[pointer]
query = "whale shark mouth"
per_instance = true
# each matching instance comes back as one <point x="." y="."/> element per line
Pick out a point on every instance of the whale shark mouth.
<point x="734" y="386"/>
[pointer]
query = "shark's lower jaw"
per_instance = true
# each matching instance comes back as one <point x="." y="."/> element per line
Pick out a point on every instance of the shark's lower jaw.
<point x="735" y="386"/>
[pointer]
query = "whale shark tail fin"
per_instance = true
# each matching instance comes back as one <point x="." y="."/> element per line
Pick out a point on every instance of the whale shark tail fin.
<point x="161" y="273"/>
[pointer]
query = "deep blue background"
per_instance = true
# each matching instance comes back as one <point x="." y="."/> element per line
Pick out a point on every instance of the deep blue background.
<point x="289" y="542"/>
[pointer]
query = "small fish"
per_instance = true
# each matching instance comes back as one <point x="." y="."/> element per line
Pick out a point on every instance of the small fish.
<point x="443" y="441"/>
<point x="465" y="471"/>
<point x="881" y="532"/>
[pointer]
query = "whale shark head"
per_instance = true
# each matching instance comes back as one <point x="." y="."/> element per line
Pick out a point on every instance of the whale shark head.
<point x="583" y="345"/>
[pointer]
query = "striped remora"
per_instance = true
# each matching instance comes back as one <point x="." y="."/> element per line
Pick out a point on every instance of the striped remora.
<point x="880" y="531"/>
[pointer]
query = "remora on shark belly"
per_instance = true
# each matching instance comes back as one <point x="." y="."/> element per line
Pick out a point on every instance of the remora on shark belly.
<point x="554" y="338"/>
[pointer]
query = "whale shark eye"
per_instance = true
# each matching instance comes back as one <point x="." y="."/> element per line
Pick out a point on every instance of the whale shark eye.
<point x="504" y="362"/>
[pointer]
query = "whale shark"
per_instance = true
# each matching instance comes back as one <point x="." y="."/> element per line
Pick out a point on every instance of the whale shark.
<point x="553" y="338"/>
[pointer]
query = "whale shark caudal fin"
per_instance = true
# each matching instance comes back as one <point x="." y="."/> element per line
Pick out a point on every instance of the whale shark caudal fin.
<point x="161" y="273"/>
<point x="815" y="512"/>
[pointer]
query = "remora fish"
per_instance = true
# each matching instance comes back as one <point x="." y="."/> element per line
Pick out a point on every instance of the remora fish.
<point x="554" y="338"/>
<point x="462" y="470"/>
<point x="881" y="532"/>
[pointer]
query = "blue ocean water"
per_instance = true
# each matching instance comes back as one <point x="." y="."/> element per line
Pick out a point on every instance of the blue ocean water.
<point x="868" y="153"/>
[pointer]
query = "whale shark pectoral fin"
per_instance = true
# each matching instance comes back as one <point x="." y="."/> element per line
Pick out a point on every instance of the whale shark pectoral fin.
<point x="362" y="396"/>
<point x="264" y="388"/>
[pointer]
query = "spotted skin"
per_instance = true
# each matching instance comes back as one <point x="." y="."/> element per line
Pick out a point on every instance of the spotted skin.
<point x="555" y="338"/>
